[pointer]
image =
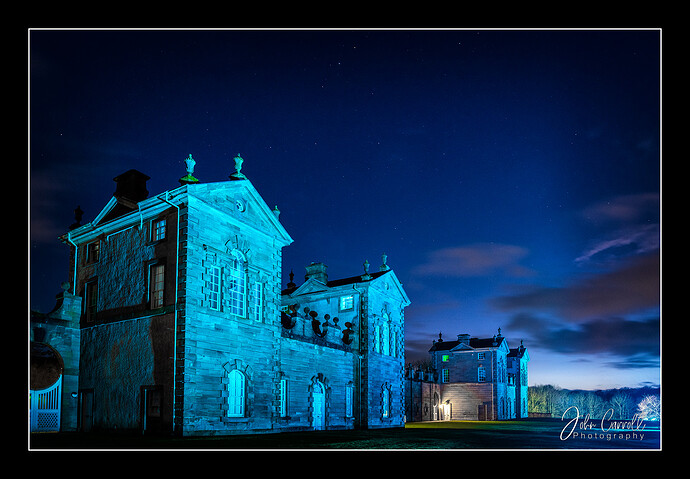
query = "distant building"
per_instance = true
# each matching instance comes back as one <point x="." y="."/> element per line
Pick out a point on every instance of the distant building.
<point x="175" y="301"/>
<point x="469" y="379"/>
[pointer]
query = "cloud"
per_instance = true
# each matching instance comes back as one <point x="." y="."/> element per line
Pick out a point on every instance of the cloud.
<point x="616" y="336"/>
<point x="626" y="208"/>
<point x="632" y="287"/>
<point x="635" y="222"/>
<point x="474" y="261"/>
<point x="630" y="343"/>
<point x="624" y="242"/>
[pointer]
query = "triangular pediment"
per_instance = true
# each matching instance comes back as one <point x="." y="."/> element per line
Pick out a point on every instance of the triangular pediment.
<point x="240" y="200"/>
<point x="116" y="207"/>
<point x="310" y="286"/>
<point x="394" y="285"/>
<point x="462" y="347"/>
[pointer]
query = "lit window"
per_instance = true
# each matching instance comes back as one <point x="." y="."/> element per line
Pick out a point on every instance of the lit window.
<point x="214" y="288"/>
<point x="93" y="251"/>
<point x="237" y="288"/>
<point x="349" y="395"/>
<point x="347" y="303"/>
<point x="445" y="375"/>
<point x="236" y="393"/>
<point x="157" y="285"/>
<point x="445" y="358"/>
<point x="481" y="374"/>
<point x="158" y="230"/>
<point x="258" y="300"/>
<point x="283" y="397"/>
<point x="480" y="355"/>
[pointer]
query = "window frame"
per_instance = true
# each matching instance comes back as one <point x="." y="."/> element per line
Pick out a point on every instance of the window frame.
<point x="283" y="399"/>
<point x="445" y="375"/>
<point x="215" y="284"/>
<point x="481" y="374"/>
<point x="385" y="338"/>
<point x="90" y="300"/>
<point x="258" y="300"/>
<point x="350" y="298"/>
<point x="349" y="400"/>
<point x="93" y="252"/>
<point x="386" y="403"/>
<point x="154" y="280"/>
<point x="237" y="393"/>
<point x="238" y="276"/>
<point x="155" y="229"/>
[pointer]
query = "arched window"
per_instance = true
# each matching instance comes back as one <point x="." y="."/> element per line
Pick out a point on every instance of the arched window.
<point x="236" y="393"/>
<point x="386" y="402"/>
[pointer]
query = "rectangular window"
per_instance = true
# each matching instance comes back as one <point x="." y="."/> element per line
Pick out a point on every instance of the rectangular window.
<point x="214" y="288"/>
<point x="158" y="230"/>
<point x="445" y="375"/>
<point x="481" y="374"/>
<point x="157" y="285"/>
<point x="480" y="355"/>
<point x="349" y="395"/>
<point x="93" y="251"/>
<point x="91" y="303"/>
<point x="258" y="300"/>
<point x="283" y="397"/>
<point x="445" y="358"/>
<point x="347" y="303"/>
<point x="237" y="289"/>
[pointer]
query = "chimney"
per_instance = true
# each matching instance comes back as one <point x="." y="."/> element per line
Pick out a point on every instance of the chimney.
<point x="317" y="271"/>
<point x="464" y="339"/>
<point x="131" y="185"/>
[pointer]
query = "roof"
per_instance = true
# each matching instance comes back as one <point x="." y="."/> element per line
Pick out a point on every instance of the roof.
<point x="341" y="282"/>
<point x="517" y="352"/>
<point x="476" y="343"/>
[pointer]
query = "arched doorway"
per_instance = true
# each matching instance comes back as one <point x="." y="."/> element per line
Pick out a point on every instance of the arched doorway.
<point x="45" y="387"/>
<point x="318" y="394"/>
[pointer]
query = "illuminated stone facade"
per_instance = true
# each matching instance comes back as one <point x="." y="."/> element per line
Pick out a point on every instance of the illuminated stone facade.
<point x="185" y="327"/>
<point x="475" y="379"/>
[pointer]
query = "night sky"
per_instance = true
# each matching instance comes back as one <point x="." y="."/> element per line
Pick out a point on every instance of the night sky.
<point x="512" y="177"/>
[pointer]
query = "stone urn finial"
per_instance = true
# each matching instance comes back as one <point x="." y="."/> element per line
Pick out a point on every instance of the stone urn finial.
<point x="189" y="166"/>
<point x="238" y="166"/>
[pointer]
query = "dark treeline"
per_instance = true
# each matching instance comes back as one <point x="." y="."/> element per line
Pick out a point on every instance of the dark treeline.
<point x="624" y="403"/>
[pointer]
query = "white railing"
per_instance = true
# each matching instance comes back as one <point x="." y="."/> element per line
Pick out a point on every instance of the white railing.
<point x="45" y="408"/>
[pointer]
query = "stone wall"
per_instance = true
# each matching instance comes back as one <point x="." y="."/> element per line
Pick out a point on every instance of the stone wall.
<point x="117" y="359"/>
<point x="216" y="341"/>
<point x="60" y="330"/>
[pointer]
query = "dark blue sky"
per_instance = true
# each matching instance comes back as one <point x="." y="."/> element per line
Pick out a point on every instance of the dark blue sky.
<point x="512" y="177"/>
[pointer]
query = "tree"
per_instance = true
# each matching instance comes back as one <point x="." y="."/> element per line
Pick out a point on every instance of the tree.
<point x="650" y="408"/>
<point x="622" y="404"/>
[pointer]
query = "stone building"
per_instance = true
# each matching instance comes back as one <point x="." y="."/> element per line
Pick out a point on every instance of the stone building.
<point x="470" y="379"/>
<point x="184" y="326"/>
<point x="54" y="365"/>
